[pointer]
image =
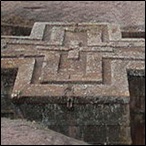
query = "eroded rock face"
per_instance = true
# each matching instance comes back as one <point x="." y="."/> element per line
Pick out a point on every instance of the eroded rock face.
<point x="73" y="78"/>
<point x="22" y="132"/>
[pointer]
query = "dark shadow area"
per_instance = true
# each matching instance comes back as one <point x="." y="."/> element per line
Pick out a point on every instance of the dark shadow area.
<point x="126" y="34"/>
<point x="14" y="30"/>
<point x="137" y="106"/>
<point x="8" y="77"/>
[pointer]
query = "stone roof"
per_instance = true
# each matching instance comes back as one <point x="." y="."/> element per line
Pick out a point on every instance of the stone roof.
<point x="80" y="61"/>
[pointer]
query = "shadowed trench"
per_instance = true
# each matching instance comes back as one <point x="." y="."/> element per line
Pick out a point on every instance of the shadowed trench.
<point x="137" y="107"/>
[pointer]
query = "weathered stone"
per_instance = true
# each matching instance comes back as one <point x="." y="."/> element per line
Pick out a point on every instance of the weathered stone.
<point x="25" y="132"/>
<point x="73" y="54"/>
<point x="73" y="78"/>
<point x="3" y="44"/>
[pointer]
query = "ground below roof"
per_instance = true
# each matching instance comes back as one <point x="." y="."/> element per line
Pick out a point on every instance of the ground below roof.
<point x="22" y="132"/>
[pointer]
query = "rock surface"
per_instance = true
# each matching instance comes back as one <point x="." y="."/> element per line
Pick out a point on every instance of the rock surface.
<point x="22" y="132"/>
<point x="125" y="13"/>
<point x="129" y="14"/>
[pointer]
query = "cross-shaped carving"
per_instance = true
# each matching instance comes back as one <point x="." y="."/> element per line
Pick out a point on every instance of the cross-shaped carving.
<point x="92" y="57"/>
